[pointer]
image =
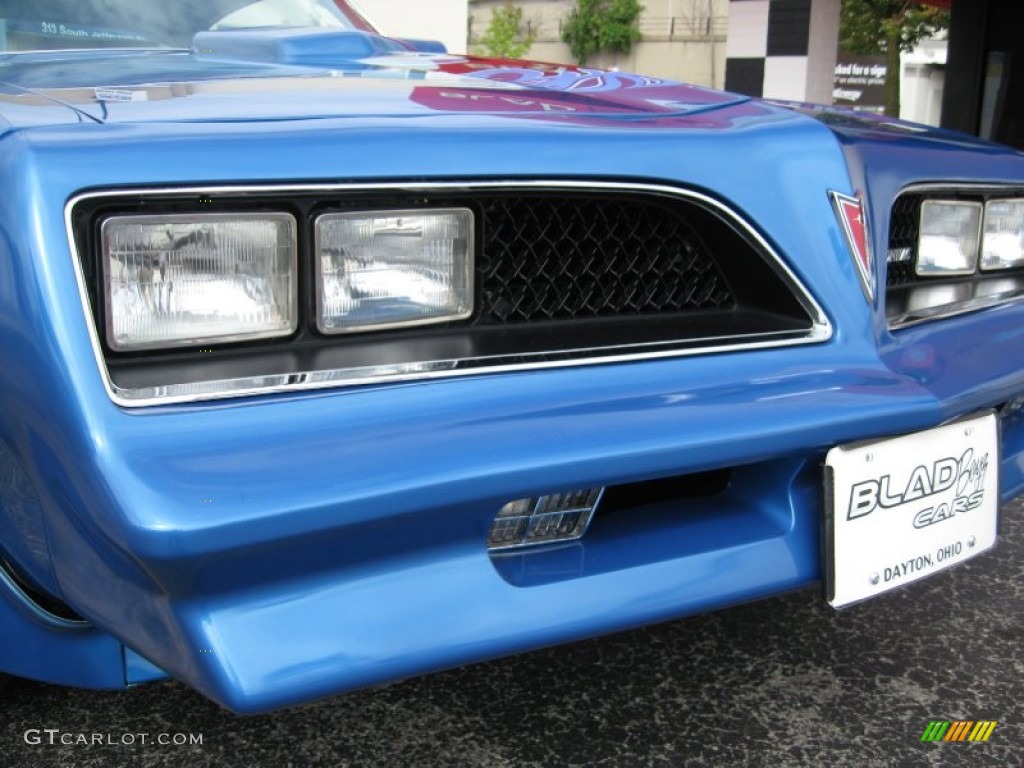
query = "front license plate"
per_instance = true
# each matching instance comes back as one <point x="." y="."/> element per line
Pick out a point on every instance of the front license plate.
<point x="901" y="509"/>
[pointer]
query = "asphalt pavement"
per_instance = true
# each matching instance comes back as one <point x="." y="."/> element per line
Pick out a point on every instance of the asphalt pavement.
<point x="782" y="682"/>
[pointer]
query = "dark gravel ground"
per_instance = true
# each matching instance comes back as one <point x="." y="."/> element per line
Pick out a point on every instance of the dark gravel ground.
<point x="784" y="682"/>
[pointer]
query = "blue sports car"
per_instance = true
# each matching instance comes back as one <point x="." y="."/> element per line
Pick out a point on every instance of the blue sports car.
<point x="327" y="359"/>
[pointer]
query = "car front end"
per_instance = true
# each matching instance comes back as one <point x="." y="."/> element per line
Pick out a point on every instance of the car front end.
<point x="319" y="375"/>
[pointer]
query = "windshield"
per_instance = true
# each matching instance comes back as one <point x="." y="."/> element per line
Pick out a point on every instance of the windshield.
<point x="42" y="25"/>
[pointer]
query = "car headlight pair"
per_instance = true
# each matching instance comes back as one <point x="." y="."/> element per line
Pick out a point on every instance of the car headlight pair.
<point x="194" y="279"/>
<point x="955" y="237"/>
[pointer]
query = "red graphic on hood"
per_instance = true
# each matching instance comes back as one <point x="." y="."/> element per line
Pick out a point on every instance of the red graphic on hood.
<point x="560" y="92"/>
<point x="580" y="107"/>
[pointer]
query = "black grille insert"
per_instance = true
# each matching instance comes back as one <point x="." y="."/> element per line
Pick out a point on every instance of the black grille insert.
<point x="903" y="229"/>
<point x="568" y="258"/>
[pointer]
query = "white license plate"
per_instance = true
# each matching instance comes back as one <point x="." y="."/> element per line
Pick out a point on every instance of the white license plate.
<point x="901" y="509"/>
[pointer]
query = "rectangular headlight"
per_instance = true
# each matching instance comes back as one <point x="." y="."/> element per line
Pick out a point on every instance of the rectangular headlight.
<point x="950" y="236"/>
<point x="187" y="279"/>
<point x="392" y="269"/>
<point x="1003" y="244"/>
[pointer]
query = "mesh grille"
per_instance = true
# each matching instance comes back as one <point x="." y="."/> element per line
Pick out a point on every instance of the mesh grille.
<point x="906" y="215"/>
<point x="564" y="258"/>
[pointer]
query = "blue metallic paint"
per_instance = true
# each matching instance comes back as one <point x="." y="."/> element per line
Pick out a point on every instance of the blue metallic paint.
<point x="43" y="647"/>
<point x="345" y="541"/>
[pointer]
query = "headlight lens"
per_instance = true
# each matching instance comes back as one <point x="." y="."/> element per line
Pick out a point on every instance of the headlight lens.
<point x="177" y="280"/>
<point x="1003" y="244"/>
<point x="949" y="238"/>
<point x="389" y="269"/>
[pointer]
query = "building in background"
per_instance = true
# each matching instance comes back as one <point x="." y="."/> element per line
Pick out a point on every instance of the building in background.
<point x="783" y="49"/>
<point x="443" y="20"/>
<point x="777" y="49"/>
<point x="860" y="82"/>
<point x="681" y="39"/>
<point x="922" y="82"/>
<point x="985" y="75"/>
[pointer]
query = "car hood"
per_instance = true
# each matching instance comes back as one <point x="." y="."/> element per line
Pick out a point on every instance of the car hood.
<point x="253" y="77"/>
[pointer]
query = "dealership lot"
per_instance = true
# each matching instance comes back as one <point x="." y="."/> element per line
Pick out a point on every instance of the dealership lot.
<point x="781" y="682"/>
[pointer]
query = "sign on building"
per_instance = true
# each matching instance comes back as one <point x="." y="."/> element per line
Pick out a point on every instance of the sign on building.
<point x="860" y="82"/>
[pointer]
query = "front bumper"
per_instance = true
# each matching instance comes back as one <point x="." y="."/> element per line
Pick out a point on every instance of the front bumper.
<point x="289" y="548"/>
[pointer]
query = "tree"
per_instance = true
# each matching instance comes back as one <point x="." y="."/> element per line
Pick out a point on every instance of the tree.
<point x="502" y="40"/>
<point x="601" y="25"/>
<point x="871" y="27"/>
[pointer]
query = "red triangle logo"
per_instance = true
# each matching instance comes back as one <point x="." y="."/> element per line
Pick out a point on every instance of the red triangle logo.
<point x="850" y="211"/>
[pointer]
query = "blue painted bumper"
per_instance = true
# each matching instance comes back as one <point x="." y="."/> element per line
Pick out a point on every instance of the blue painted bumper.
<point x="275" y="550"/>
<point x="287" y="549"/>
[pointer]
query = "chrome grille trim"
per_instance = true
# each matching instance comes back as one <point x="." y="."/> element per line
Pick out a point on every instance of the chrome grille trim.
<point x="821" y="329"/>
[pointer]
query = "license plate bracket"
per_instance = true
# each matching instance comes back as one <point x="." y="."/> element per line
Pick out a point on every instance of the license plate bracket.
<point x="901" y="509"/>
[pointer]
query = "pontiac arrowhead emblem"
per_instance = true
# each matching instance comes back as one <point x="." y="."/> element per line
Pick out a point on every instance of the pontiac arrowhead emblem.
<point x="850" y="212"/>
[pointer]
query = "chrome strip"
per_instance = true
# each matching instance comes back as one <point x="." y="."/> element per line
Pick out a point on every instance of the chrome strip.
<point x="975" y="304"/>
<point x="37" y="611"/>
<point x="954" y="187"/>
<point x="416" y="371"/>
<point x="908" y="320"/>
<point x="820" y="331"/>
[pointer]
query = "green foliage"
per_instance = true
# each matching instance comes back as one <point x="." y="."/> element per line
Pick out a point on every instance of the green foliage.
<point x="503" y="39"/>
<point x="601" y="25"/>
<point x="872" y="26"/>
